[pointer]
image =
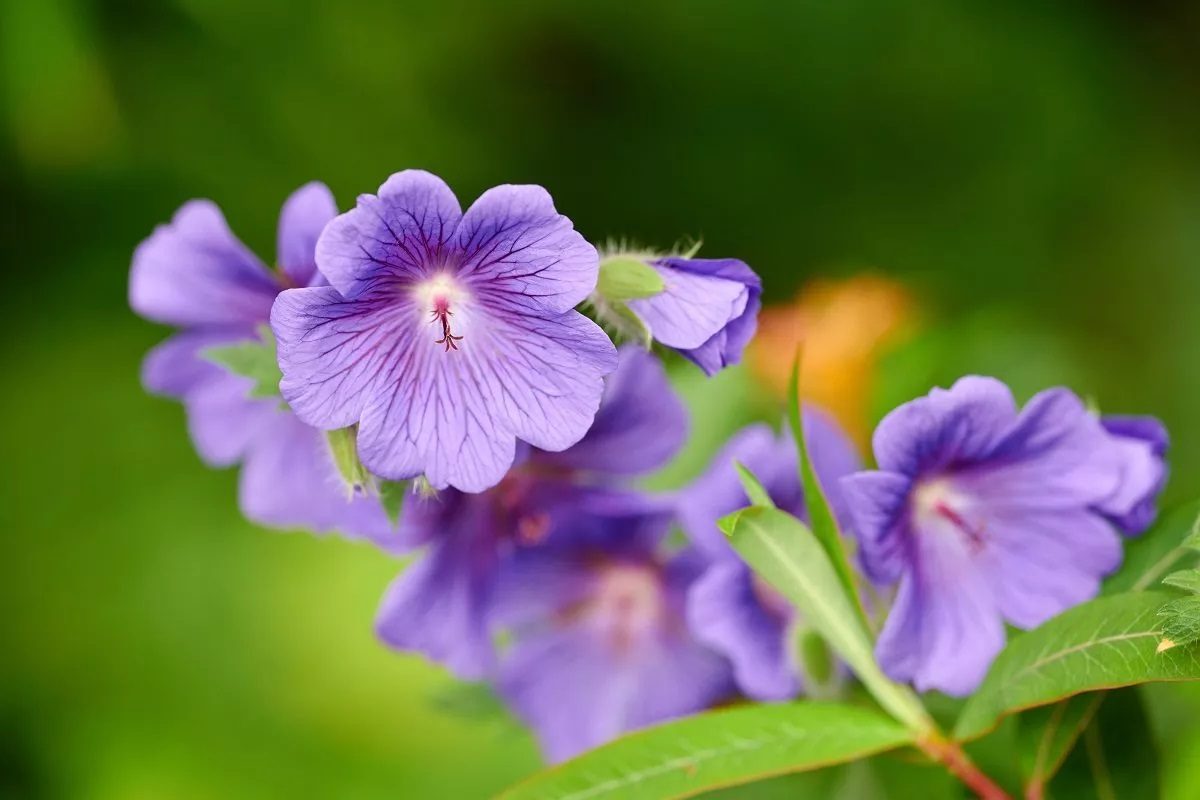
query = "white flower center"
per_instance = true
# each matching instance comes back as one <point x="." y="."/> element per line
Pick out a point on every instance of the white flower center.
<point x="440" y="297"/>
<point x="628" y="604"/>
<point x="939" y="506"/>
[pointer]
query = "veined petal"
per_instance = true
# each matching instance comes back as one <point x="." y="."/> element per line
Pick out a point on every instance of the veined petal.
<point x="401" y="234"/>
<point x="692" y="307"/>
<point x="331" y="351"/>
<point x="305" y="214"/>
<point x="640" y="425"/>
<point x="194" y="272"/>
<point x="959" y="425"/>
<point x="455" y="416"/>
<point x="513" y="242"/>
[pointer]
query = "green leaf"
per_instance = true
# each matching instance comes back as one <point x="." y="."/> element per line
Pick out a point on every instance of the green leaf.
<point x="1116" y="757"/>
<point x="717" y="749"/>
<point x="785" y="553"/>
<point x="1186" y="579"/>
<point x="753" y="487"/>
<point x="251" y="359"/>
<point x="1149" y="557"/>
<point x="1046" y="735"/>
<point x="391" y="495"/>
<point x="1103" y="644"/>
<point x="1180" y="622"/>
<point x="624" y="278"/>
<point x="820" y="513"/>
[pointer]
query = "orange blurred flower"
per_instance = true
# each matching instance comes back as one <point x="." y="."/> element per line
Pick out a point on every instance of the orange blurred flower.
<point x="843" y="327"/>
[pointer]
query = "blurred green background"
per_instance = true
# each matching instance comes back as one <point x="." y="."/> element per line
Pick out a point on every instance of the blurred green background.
<point x="1030" y="170"/>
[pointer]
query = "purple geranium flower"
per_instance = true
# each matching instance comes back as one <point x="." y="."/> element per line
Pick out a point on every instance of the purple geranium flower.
<point x="599" y="640"/>
<point x="193" y="273"/>
<point x="445" y="336"/>
<point x="708" y="309"/>
<point x="439" y="605"/>
<point x="984" y="515"/>
<point x="731" y="609"/>
<point x="1144" y="442"/>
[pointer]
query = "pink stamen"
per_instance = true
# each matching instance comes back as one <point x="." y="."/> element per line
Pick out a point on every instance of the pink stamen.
<point x="442" y="313"/>
<point x="960" y="522"/>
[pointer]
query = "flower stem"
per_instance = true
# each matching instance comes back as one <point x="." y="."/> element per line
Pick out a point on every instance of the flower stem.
<point x="952" y="757"/>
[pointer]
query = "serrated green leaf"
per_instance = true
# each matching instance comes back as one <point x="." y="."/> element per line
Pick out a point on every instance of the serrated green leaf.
<point x="1180" y="620"/>
<point x="1154" y="554"/>
<point x="343" y="448"/>
<point x="820" y="513"/>
<point x="391" y="496"/>
<point x="1103" y="644"/>
<point x="624" y="278"/>
<point x="1186" y="579"/>
<point x="717" y="749"/>
<point x="1046" y="735"/>
<point x="786" y="554"/>
<point x="753" y="487"/>
<point x="251" y="359"/>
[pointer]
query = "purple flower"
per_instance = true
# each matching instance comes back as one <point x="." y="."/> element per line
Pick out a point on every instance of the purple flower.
<point x="729" y="608"/>
<point x="439" y="606"/>
<point x="599" y="640"/>
<point x="1143" y="441"/>
<point x="708" y="309"/>
<point x="986" y="514"/>
<point x="445" y="336"/>
<point x="194" y="274"/>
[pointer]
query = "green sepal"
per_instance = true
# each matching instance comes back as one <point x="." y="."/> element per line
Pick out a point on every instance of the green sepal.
<point x="253" y="359"/>
<point x="343" y="447"/>
<point x="391" y="496"/>
<point x="624" y="278"/>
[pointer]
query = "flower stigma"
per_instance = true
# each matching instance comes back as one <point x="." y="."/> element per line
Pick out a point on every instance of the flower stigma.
<point x="438" y="295"/>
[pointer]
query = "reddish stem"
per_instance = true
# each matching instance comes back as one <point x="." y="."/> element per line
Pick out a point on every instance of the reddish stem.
<point x="951" y="756"/>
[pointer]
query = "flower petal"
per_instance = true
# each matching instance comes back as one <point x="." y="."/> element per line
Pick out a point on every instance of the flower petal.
<point x="515" y="243"/>
<point x="331" y="350"/>
<point x="289" y="481"/>
<point x="944" y="629"/>
<point x="176" y="366"/>
<point x="438" y="605"/>
<point x="193" y="271"/>
<point x="693" y="306"/>
<point x="403" y="233"/>
<point x="1040" y="564"/>
<point x="223" y="419"/>
<point x="961" y="424"/>
<point x="305" y="214"/>
<point x="877" y="502"/>
<point x="1054" y="455"/>
<point x="640" y="425"/>
<point x="726" y="614"/>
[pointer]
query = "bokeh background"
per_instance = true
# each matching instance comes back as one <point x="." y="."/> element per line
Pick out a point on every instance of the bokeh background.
<point x="1028" y="175"/>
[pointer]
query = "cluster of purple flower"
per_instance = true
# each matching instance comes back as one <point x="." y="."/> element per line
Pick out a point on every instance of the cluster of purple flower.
<point x="450" y="343"/>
